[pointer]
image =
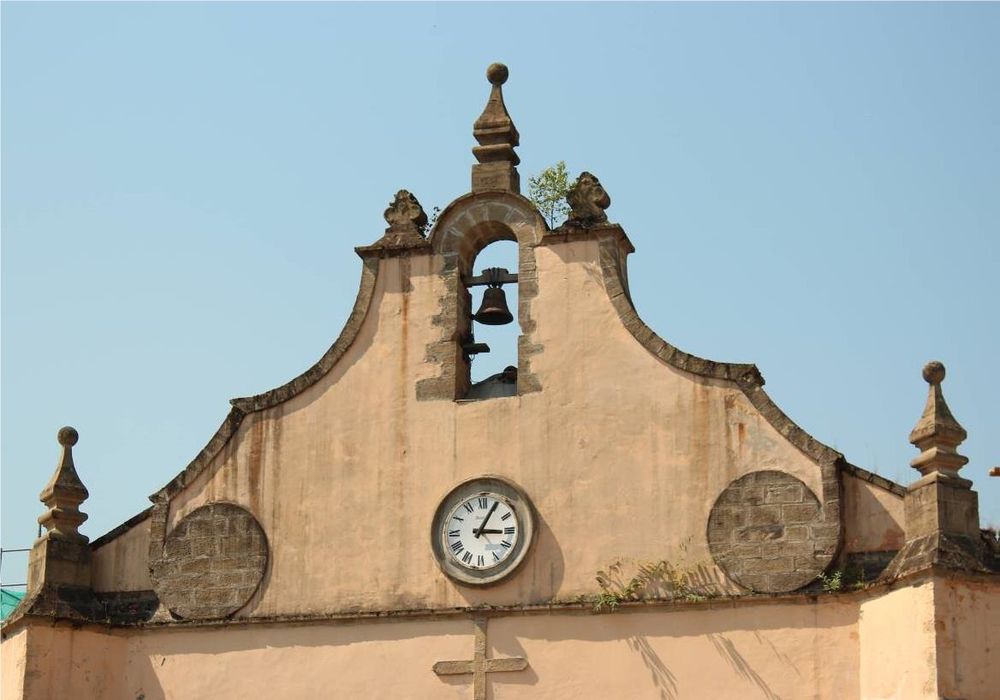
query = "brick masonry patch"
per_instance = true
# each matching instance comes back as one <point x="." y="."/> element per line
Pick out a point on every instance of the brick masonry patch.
<point x="212" y="562"/>
<point x="766" y="532"/>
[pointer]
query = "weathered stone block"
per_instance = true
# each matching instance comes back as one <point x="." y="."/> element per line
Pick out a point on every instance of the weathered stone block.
<point x="760" y="533"/>
<point x="785" y="493"/>
<point x="204" y="547"/>
<point x="763" y="532"/>
<point x="801" y="513"/>
<point x="753" y="494"/>
<point x="761" y="566"/>
<point x="206" y="576"/>
<point x="741" y="552"/>
<point x="797" y="533"/>
<point x="495" y="176"/>
<point x="766" y="515"/>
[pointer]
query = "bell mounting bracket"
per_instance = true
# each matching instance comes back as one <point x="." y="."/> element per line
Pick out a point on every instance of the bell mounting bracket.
<point x="491" y="277"/>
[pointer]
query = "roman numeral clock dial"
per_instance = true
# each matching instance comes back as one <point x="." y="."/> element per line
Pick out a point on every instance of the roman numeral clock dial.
<point x="482" y="530"/>
<point x="478" y="538"/>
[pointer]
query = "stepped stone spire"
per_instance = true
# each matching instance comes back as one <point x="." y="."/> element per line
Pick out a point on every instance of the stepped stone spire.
<point x="940" y="509"/>
<point x="937" y="434"/>
<point x="61" y="556"/>
<point x="497" y="137"/>
<point x="63" y="495"/>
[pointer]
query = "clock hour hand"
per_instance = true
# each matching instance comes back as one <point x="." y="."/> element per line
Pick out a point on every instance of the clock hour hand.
<point x="477" y="533"/>
<point x="491" y="532"/>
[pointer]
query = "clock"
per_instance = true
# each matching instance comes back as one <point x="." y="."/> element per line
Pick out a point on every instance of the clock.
<point x="482" y="530"/>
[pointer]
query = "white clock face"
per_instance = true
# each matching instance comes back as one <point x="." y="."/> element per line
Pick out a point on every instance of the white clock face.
<point x="481" y="531"/>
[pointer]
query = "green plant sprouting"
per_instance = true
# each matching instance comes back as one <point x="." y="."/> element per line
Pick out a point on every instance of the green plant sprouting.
<point x="431" y="220"/>
<point x="547" y="191"/>
<point x="832" y="582"/>
<point x="659" y="580"/>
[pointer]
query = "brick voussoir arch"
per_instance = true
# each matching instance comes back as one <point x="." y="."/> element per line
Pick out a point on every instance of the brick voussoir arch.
<point x="464" y="228"/>
<point x="461" y="216"/>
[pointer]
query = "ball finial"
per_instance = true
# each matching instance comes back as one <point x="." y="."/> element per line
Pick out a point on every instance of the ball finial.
<point x="67" y="436"/>
<point x="497" y="74"/>
<point x="934" y="372"/>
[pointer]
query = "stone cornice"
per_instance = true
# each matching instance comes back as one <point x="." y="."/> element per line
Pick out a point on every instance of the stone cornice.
<point x="116" y="532"/>
<point x="612" y="241"/>
<point x="565" y="234"/>
<point x="572" y="607"/>
<point x="269" y="399"/>
<point x="393" y="249"/>
<point x="874" y="479"/>
<point x="613" y="247"/>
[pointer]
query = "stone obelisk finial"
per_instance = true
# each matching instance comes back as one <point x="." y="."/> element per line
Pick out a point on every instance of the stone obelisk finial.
<point x="940" y="509"/>
<point x="63" y="495"/>
<point x="937" y="434"/>
<point x="61" y="556"/>
<point x="497" y="137"/>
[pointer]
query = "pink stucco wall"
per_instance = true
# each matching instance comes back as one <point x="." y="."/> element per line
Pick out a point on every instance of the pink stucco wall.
<point x="616" y="438"/>
<point x="873" y="517"/>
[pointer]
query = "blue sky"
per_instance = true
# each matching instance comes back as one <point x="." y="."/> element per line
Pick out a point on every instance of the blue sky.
<point x="810" y="187"/>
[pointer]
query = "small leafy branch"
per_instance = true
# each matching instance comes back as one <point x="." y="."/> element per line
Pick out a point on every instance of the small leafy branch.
<point x="431" y="220"/>
<point x="658" y="580"/>
<point x="547" y="191"/>
<point x="832" y="582"/>
<point x="853" y="577"/>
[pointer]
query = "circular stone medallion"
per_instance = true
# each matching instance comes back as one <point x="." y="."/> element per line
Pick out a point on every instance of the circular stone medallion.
<point x="761" y="533"/>
<point x="212" y="563"/>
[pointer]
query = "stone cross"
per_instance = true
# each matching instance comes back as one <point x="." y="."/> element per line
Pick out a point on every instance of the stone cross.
<point x="480" y="665"/>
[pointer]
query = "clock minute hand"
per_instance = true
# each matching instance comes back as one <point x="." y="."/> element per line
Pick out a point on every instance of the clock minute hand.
<point x="477" y="533"/>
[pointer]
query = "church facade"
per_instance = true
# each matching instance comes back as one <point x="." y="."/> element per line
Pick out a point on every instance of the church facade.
<point x="610" y="518"/>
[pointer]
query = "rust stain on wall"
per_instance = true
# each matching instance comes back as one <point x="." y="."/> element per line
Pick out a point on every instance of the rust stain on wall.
<point x="255" y="463"/>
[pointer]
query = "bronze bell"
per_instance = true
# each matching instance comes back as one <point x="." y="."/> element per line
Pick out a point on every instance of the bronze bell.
<point x="493" y="311"/>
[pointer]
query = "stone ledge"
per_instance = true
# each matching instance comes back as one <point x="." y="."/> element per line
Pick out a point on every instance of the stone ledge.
<point x="873" y="478"/>
<point x="394" y="247"/>
<point x="574" y="607"/>
<point x="243" y="406"/>
<point x="116" y="532"/>
<point x="936" y="551"/>
<point x="566" y="234"/>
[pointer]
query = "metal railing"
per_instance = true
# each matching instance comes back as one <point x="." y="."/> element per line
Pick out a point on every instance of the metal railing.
<point x="11" y="551"/>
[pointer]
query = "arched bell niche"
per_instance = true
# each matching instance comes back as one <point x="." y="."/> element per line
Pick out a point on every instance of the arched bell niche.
<point x="494" y="373"/>
<point x="460" y="237"/>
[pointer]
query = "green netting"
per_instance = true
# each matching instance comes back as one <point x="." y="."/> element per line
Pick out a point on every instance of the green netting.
<point x="8" y="601"/>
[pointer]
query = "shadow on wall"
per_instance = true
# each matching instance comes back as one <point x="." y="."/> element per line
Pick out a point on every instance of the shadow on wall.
<point x="158" y="656"/>
<point x="663" y="679"/>
<point x="538" y="580"/>
<point x="869" y="524"/>
<point x="727" y="650"/>
<point x="753" y="643"/>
